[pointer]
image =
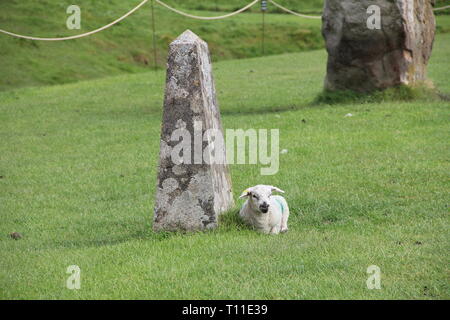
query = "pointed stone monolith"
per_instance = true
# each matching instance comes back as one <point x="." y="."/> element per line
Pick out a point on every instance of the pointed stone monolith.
<point x="194" y="184"/>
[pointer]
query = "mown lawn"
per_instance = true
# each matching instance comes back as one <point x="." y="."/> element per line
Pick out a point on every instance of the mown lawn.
<point x="78" y="177"/>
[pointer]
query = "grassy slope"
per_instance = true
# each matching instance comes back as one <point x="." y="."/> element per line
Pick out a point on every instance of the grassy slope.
<point x="127" y="47"/>
<point x="231" y="5"/>
<point x="78" y="165"/>
<point x="304" y="6"/>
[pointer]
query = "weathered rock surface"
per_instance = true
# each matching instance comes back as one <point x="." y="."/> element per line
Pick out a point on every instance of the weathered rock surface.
<point x="190" y="194"/>
<point x="362" y="59"/>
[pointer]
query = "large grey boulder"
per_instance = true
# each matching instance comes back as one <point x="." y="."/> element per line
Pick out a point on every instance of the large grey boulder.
<point x="194" y="184"/>
<point x="364" y="59"/>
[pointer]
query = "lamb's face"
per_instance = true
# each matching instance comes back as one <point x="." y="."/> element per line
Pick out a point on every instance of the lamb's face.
<point x="259" y="197"/>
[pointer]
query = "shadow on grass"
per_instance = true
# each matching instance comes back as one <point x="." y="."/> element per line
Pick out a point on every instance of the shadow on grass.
<point x="329" y="214"/>
<point x="319" y="215"/>
<point x="263" y="110"/>
<point x="400" y="93"/>
<point x="345" y="97"/>
<point x="229" y="221"/>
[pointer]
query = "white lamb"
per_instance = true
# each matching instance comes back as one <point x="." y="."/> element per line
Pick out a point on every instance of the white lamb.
<point x="263" y="211"/>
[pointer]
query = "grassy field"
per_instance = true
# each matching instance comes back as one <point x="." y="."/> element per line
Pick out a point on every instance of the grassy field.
<point x="78" y="176"/>
<point x="304" y="6"/>
<point x="127" y="47"/>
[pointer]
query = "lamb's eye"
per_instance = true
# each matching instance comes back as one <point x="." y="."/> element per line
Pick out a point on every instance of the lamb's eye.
<point x="254" y="196"/>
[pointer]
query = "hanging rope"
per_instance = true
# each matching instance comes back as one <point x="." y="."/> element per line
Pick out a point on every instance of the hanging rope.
<point x="79" y="35"/>
<point x="441" y="8"/>
<point x="319" y="17"/>
<point x="174" y="10"/>
<point x="294" y="13"/>
<point x="207" y="18"/>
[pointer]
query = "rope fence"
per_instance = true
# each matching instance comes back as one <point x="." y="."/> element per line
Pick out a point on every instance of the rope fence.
<point x="441" y="8"/>
<point x="208" y="18"/>
<point x="248" y="6"/>
<point x="79" y="35"/>
<point x="294" y="13"/>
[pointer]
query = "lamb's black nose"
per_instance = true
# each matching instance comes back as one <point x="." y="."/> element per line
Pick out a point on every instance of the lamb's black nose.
<point x="264" y="207"/>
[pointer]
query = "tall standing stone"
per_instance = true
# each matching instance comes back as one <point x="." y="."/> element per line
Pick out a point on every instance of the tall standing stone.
<point x="190" y="193"/>
<point x="364" y="59"/>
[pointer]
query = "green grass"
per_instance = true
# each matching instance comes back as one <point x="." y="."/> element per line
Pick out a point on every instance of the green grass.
<point x="304" y="6"/>
<point x="78" y="177"/>
<point x="127" y="47"/>
<point x="422" y="91"/>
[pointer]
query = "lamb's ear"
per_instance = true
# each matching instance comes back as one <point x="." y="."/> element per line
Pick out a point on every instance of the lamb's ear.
<point x="245" y="193"/>
<point x="276" y="189"/>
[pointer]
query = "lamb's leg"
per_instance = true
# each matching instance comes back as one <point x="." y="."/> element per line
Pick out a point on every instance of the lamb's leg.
<point x="275" y="230"/>
<point x="284" y="220"/>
